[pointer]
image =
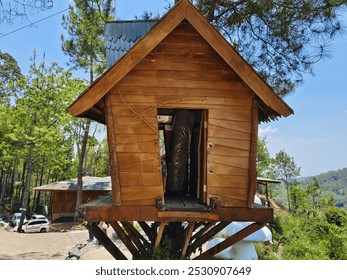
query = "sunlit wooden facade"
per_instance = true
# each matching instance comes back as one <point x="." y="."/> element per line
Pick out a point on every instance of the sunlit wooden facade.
<point x="182" y="65"/>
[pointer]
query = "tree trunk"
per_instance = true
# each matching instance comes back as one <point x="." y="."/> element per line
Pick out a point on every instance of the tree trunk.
<point x="26" y="190"/>
<point x="80" y="169"/>
<point x="38" y="197"/>
<point x="25" y="202"/>
<point x="288" y="196"/>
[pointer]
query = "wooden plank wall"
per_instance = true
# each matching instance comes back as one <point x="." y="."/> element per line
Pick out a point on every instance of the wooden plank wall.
<point x="65" y="201"/>
<point x="183" y="71"/>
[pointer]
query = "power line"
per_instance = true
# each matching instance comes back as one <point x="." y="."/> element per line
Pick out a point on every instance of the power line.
<point x="31" y="24"/>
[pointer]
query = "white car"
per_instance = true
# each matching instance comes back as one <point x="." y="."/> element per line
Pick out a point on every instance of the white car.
<point x="16" y="218"/>
<point x="35" y="216"/>
<point x="36" y="225"/>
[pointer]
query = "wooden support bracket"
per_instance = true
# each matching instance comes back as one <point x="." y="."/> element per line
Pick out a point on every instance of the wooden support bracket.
<point x="209" y="234"/>
<point x="135" y="237"/>
<point x="106" y="242"/>
<point x="150" y="232"/>
<point x="159" y="236"/>
<point x="125" y="238"/>
<point x="187" y="238"/>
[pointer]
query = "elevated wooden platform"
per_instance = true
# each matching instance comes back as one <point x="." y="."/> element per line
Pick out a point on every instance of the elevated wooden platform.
<point x="184" y="203"/>
<point x="201" y="223"/>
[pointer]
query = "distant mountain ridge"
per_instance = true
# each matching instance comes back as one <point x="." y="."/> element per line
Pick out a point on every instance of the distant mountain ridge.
<point x="332" y="183"/>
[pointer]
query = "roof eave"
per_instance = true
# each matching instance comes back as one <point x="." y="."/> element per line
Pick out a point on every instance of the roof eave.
<point x="181" y="11"/>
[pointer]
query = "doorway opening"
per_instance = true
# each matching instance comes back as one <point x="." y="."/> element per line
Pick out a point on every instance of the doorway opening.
<point x="183" y="142"/>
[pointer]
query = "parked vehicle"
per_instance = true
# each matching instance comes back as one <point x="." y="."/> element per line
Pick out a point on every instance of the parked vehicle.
<point x="16" y="218"/>
<point x="34" y="217"/>
<point x="5" y="219"/>
<point x="36" y="225"/>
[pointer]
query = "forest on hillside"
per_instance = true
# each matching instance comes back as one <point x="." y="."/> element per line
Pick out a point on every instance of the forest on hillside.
<point x="332" y="183"/>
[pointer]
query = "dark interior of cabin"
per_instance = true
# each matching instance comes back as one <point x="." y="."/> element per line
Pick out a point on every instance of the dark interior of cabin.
<point x="182" y="143"/>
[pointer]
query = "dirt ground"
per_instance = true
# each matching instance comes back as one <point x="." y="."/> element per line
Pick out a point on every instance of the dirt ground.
<point x="53" y="245"/>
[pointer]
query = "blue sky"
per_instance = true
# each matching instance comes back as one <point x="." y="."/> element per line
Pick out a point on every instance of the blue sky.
<point x="316" y="135"/>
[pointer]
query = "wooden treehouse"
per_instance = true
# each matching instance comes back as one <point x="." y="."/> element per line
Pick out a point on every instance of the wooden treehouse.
<point x="182" y="110"/>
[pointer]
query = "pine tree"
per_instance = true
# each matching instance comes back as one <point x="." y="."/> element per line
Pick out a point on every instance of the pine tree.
<point x="286" y="170"/>
<point x="280" y="39"/>
<point x="86" y="50"/>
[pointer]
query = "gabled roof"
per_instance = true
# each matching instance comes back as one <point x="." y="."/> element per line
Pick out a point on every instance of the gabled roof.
<point x="184" y="10"/>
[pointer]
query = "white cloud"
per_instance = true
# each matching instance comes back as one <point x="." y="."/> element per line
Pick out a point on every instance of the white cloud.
<point x="267" y="130"/>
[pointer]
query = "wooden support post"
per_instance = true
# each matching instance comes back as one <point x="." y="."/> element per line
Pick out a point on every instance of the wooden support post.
<point x="125" y="239"/>
<point x="204" y="166"/>
<point x="135" y="237"/>
<point x="106" y="242"/>
<point x="229" y="241"/>
<point x="203" y="230"/>
<point x="198" y="187"/>
<point x="129" y="226"/>
<point x="253" y="153"/>
<point x="151" y="234"/>
<point x="208" y="235"/>
<point x="267" y="195"/>
<point x="187" y="238"/>
<point x="159" y="235"/>
<point x="116" y="193"/>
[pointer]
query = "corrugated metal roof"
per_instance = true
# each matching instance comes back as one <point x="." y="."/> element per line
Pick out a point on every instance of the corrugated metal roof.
<point x="120" y="36"/>
<point x="103" y="200"/>
<point x="267" y="180"/>
<point x="89" y="184"/>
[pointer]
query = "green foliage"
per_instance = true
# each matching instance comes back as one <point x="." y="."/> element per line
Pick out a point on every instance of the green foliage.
<point x="101" y="165"/>
<point x="266" y="250"/>
<point x="280" y="39"/>
<point x="285" y="169"/>
<point x="85" y="45"/>
<point x="336" y="216"/>
<point x="332" y="183"/>
<point x="10" y="75"/>
<point x="263" y="158"/>
<point x="303" y="237"/>
<point x="299" y="200"/>
<point x="35" y="127"/>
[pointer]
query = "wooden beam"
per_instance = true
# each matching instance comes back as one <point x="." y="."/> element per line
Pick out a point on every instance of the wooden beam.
<point x="202" y="231"/>
<point x="106" y="242"/>
<point x="187" y="216"/>
<point x="116" y="192"/>
<point x="125" y="238"/>
<point x="159" y="236"/>
<point x="151" y="234"/>
<point x="229" y="241"/>
<point x="209" y="234"/>
<point x="122" y="213"/>
<point x="136" y="237"/>
<point x="151" y="213"/>
<point x="261" y="215"/>
<point x="253" y="153"/>
<point x="204" y="165"/>
<point x="187" y="238"/>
